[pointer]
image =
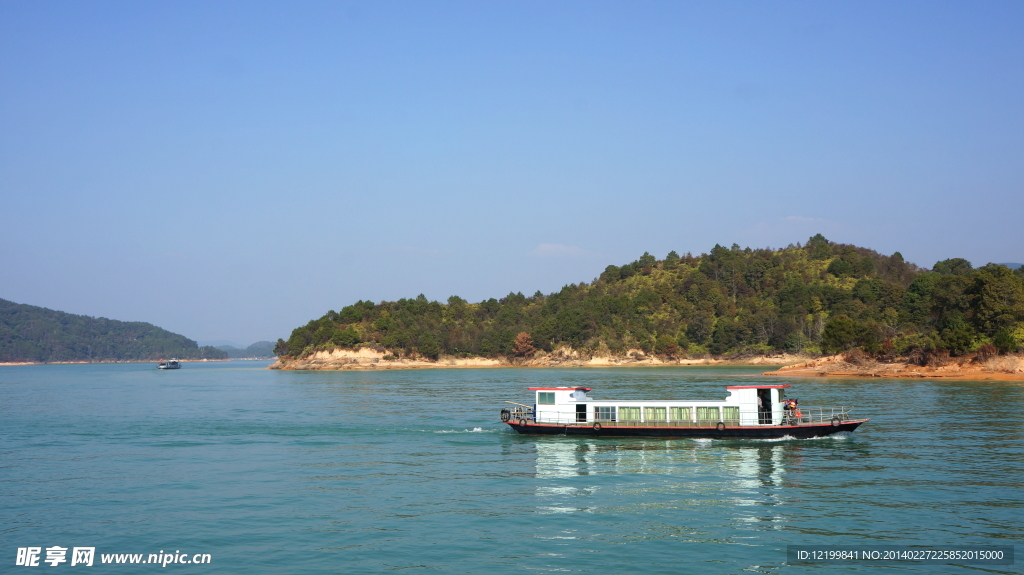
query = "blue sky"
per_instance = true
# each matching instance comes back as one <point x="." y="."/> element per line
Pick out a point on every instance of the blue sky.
<point x="232" y="170"/>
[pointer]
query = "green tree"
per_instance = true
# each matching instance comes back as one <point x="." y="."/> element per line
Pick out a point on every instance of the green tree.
<point x="428" y="347"/>
<point x="611" y="274"/>
<point x="724" y="337"/>
<point x="281" y="348"/>
<point x="818" y="247"/>
<point x="840" y="333"/>
<point x="866" y="266"/>
<point x="347" y="337"/>
<point x="997" y="298"/>
<point x="840" y="268"/>
<point x="957" y="336"/>
<point x="954" y="266"/>
<point x="1005" y="342"/>
<point x="666" y="345"/>
<point x="298" y="341"/>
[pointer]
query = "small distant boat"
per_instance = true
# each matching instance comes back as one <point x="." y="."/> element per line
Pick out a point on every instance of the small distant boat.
<point x="172" y="364"/>
<point x="750" y="411"/>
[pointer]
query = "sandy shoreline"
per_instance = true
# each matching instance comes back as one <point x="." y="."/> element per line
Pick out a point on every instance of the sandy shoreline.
<point x="847" y="375"/>
<point x="370" y="359"/>
<point x="1008" y="367"/>
<point x="789" y="365"/>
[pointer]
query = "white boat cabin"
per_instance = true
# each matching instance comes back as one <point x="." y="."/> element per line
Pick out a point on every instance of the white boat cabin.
<point x="568" y="405"/>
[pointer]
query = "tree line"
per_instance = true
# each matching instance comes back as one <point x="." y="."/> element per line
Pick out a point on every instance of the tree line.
<point x="36" y="334"/>
<point x="819" y="297"/>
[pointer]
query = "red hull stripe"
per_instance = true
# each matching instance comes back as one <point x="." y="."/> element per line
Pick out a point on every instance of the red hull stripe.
<point x="533" y="424"/>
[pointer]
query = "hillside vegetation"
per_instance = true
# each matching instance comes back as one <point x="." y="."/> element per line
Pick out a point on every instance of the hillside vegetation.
<point x="820" y="297"/>
<point x="36" y="334"/>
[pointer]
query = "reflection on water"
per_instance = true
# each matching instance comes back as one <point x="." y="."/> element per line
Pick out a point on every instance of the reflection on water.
<point x="752" y="464"/>
<point x="563" y="459"/>
<point x="697" y="477"/>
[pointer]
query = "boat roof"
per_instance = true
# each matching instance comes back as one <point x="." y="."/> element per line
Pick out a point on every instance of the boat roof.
<point x="563" y="388"/>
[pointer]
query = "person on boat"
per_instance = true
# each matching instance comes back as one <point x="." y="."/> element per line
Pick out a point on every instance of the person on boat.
<point x="789" y="408"/>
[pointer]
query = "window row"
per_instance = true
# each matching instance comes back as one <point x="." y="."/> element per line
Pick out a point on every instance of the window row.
<point x="627" y="413"/>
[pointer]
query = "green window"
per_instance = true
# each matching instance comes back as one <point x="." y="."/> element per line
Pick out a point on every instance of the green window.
<point x="606" y="413"/>
<point x="730" y="414"/>
<point x="707" y="414"/>
<point x="546" y="397"/>
<point x="629" y="414"/>
<point x="654" y="414"/>
<point x="680" y="414"/>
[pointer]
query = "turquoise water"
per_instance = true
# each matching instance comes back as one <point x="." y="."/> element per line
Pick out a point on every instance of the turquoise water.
<point x="411" y="471"/>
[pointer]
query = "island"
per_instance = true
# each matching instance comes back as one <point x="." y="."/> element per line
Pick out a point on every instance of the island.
<point x="731" y="305"/>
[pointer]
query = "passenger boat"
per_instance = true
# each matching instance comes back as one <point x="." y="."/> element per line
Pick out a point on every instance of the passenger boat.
<point x="172" y="364"/>
<point x="570" y="411"/>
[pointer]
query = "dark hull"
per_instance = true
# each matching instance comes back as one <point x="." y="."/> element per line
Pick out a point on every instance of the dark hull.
<point x="759" y="432"/>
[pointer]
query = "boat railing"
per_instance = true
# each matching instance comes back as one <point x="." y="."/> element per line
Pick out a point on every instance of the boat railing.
<point x="815" y="415"/>
<point x="809" y="415"/>
<point x="517" y="413"/>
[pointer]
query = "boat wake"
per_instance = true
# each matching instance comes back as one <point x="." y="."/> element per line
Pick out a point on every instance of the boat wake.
<point x="841" y="436"/>
<point x="474" y="430"/>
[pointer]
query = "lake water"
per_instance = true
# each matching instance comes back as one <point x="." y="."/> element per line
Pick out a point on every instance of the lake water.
<point x="412" y="471"/>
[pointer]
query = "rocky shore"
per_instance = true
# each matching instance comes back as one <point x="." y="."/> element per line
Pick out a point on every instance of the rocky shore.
<point x="367" y="358"/>
<point x="860" y="365"/>
<point x="842" y="365"/>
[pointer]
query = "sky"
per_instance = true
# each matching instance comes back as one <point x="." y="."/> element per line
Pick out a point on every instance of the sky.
<point x="231" y="170"/>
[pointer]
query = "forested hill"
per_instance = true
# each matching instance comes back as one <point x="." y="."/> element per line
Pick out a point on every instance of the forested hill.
<point x="260" y="349"/>
<point x="820" y="297"/>
<point x="37" y="334"/>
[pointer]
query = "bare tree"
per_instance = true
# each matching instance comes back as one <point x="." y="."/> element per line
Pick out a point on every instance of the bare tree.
<point x="523" y="346"/>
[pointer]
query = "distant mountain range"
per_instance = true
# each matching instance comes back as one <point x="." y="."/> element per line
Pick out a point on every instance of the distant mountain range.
<point x="36" y="334"/>
<point x="1012" y="266"/>
<point x="260" y="349"/>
